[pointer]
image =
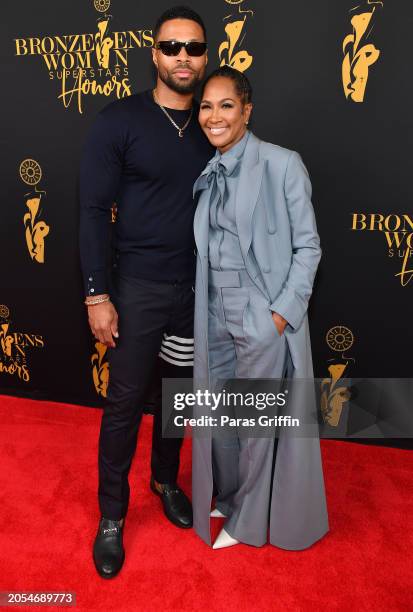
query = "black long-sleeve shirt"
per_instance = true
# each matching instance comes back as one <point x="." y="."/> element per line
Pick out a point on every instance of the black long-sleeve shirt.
<point x="134" y="157"/>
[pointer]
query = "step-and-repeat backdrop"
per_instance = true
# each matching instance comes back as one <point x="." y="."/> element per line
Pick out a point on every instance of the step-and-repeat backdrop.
<point x="330" y="80"/>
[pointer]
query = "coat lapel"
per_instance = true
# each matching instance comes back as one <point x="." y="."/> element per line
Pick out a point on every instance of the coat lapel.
<point x="248" y="190"/>
<point x="201" y="223"/>
<point x="201" y="231"/>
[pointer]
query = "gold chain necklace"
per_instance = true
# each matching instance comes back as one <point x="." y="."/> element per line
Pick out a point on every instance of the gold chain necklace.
<point x="180" y="129"/>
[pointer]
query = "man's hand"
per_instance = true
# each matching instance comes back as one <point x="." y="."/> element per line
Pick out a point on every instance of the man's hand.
<point x="103" y="321"/>
<point x="280" y="322"/>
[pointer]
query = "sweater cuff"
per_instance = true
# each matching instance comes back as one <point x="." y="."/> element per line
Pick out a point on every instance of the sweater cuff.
<point x="96" y="283"/>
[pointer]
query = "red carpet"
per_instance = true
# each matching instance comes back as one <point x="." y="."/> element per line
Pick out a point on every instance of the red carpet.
<point x="49" y="515"/>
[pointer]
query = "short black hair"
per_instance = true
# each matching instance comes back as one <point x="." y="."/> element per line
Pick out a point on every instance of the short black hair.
<point x="179" y="12"/>
<point x="241" y="82"/>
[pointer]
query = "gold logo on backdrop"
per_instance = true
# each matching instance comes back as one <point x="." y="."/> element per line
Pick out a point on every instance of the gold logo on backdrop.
<point x="102" y="5"/>
<point x="13" y="347"/>
<point x="334" y="395"/>
<point x="398" y="231"/>
<point x="36" y="228"/>
<point x="359" y="54"/>
<point x="100" y="369"/>
<point x="114" y="212"/>
<point x="4" y="312"/>
<point x="88" y="64"/>
<point x="230" y="51"/>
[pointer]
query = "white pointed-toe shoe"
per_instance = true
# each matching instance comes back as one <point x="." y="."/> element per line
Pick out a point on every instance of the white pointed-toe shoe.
<point x="224" y="540"/>
<point x="217" y="514"/>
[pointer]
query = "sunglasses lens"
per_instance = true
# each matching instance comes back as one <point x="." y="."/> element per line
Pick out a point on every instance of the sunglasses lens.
<point x="173" y="47"/>
<point x="196" y="49"/>
<point x="170" y="47"/>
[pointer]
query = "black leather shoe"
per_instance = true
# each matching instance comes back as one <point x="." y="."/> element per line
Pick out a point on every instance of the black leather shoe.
<point x="108" y="551"/>
<point x="176" y="505"/>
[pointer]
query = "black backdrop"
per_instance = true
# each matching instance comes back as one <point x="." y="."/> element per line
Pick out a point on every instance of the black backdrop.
<point x="358" y="154"/>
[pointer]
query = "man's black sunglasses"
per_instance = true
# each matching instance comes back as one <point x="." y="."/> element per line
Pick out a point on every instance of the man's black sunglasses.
<point x="173" y="47"/>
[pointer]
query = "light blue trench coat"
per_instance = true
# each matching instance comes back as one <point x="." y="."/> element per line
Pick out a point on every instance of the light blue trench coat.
<point x="275" y="219"/>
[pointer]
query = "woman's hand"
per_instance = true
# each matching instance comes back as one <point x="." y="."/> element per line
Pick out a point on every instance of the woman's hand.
<point x="280" y="322"/>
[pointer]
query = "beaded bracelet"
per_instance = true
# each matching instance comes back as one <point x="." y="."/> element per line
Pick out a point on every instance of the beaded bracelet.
<point x="95" y="301"/>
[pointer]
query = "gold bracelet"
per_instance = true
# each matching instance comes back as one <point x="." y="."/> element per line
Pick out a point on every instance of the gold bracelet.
<point x="95" y="301"/>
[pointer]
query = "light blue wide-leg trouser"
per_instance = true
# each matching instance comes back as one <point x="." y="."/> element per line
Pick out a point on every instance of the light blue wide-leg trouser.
<point x="243" y="343"/>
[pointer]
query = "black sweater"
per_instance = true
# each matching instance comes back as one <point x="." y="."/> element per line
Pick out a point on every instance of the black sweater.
<point x="134" y="157"/>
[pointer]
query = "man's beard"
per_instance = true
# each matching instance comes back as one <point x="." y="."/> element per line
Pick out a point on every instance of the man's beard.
<point x="184" y="87"/>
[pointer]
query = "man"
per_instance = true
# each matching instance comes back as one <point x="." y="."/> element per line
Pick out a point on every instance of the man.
<point x="144" y="152"/>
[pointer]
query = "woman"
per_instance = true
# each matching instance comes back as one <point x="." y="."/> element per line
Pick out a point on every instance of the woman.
<point x="257" y="255"/>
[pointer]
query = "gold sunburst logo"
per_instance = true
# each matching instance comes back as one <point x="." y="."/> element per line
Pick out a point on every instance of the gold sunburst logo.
<point x="101" y="5"/>
<point x="30" y="171"/>
<point x="340" y="338"/>
<point x="4" y="311"/>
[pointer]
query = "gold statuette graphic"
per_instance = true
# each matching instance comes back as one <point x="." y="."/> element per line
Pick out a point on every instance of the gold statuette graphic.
<point x="230" y="52"/>
<point x="333" y="396"/>
<point x="114" y="212"/>
<point x="36" y="228"/>
<point x="100" y="370"/>
<point x="103" y="43"/>
<point x="359" y="54"/>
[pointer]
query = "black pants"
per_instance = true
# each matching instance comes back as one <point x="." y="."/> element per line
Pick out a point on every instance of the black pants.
<point x="153" y="316"/>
